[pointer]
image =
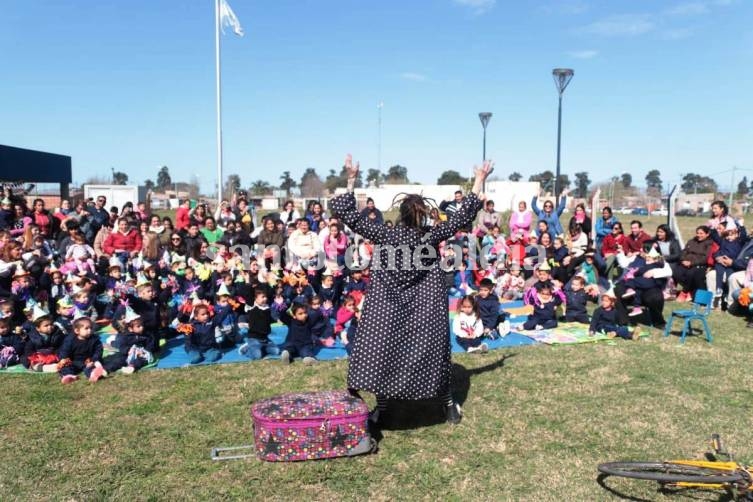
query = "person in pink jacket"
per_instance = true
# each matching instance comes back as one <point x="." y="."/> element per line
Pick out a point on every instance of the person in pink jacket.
<point x="335" y="244"/>
<point x="520" y="220"/>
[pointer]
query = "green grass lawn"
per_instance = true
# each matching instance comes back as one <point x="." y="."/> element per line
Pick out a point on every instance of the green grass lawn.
<point x="538" y="420"/>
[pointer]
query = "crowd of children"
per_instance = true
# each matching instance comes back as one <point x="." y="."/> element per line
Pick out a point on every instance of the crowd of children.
<point x="151" y="280"/>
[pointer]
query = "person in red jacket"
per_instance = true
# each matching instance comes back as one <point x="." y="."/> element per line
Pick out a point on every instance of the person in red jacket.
<point x="182" y="215"/>
<point x="124" y="242"/>
<point x="633" y="243"/>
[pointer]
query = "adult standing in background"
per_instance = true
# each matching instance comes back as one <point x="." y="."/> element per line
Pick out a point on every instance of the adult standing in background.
<point x="487" y="219"/>
<point x="289" y="214"/>
<point x="520" y="220"/>
<point x="371" y="208"/>
<point x="581" y="218"/>
<point x="182" y="216"/>
<point x="449" y="207"/>
<point x="402" y="344"/>
<point x="550" y="215"/>
<point x="604" y="225"/>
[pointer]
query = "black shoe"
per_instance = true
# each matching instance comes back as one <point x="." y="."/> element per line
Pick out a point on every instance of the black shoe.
<point x="454" y="414"/>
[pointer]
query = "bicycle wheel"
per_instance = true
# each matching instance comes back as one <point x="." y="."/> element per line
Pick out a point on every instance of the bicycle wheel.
<point x="668" y="472"/>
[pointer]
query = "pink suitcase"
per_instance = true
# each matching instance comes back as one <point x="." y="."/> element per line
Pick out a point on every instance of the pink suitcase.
<point x="310" y="426"/>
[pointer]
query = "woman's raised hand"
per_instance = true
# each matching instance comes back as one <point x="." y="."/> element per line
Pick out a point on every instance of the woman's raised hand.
<point x="481" y="173"/>
<point x="351" y="169"/>
<point x="484" y="171"/>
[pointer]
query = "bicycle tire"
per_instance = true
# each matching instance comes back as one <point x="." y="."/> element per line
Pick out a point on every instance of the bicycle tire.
<point x="668" y="472"/>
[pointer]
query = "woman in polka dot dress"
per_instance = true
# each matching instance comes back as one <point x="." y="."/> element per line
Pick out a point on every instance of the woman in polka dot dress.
<point x="402" y="350"/>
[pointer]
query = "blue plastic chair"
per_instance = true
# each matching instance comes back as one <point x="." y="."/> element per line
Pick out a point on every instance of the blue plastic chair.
<point x="700" y="311"/>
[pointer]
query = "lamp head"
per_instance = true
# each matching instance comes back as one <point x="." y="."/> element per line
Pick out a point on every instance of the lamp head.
<point x="562" y="77"/>
<point x="485" y="117"/>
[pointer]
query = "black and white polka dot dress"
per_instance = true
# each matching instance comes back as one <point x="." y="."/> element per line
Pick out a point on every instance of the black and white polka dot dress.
<point x="402" y="347"/>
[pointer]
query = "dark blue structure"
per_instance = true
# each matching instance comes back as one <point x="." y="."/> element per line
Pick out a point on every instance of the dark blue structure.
<point x="20" y="164"/>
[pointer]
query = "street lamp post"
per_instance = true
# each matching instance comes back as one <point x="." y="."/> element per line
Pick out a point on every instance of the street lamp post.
<point x="485" y="117"/>
<point x="562" y="77"/>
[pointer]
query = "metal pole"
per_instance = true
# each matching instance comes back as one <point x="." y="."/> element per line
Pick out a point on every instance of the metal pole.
<point x="559" y="142"/>
<point x="379" y="137"/>
<point x="732" y="188"/>
<point x="483" y="186"/>
<point x="219" y="99"/>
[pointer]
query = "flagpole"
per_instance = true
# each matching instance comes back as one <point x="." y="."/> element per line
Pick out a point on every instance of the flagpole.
<point x="219" y="99"/>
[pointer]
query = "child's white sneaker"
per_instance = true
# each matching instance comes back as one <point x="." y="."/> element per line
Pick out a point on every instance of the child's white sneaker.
<point x="308" y="361"/>
<point x="285" y="357"/>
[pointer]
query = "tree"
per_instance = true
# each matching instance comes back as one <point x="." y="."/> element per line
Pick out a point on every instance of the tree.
<point x="581" y="184"/>
<point x="311" y="183"/>
<point x="288" y="183"/>
<point x="545" y="179"/>
<point x="627" y="180"/>
<point x="742" y="187"/>
<point x="335" y="181"/>
<point x="149" y="185"/>
<point x="163" y="178"/>
<point x="515" y="176"/>
<point x="653" y="180"/>
<point x="563" y="182"/>
<point x="695" y="183"/>
<point x="451" y="178"/>
<point x="232" y="185"/>
<point x="397" y="175"/>
<point x="119" y="178"/>
<point x="374" y="176"/>
<point x="260" y="187"/>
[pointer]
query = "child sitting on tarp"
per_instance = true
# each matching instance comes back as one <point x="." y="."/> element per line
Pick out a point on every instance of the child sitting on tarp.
<point x="299" y="340"/>
<point x="201" y="343"/>
<point x="510" y="283"/>
<point x="605" y="320"/>
<point x="576" y="300"/>
<point x="468" y="327"/>
<point x="463" y="281"/>
<point x="259" y="318"/>
<point x="81" y="352"/>
<point x="145" y="306"/>
<point x="226" y="331"/>
<point x="495" y="323"/>
<point x="43" y="343"/>
<point x="545" y="305"/>
<point x="344" y="315"/>
<point x="12" y="346"/>
<point x="321" y="329"/>
<point x="135" y="346"/>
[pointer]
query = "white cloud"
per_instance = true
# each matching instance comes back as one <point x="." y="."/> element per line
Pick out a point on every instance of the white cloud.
<point x="689" y="9"/>
<point x="478" y="6"/>
<point x="414" y="77"/>
<point x="588" y="54"/>
<point x="624" y="25"/>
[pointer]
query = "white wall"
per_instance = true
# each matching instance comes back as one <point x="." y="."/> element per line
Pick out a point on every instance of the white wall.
<point x="117" y="195"/>
<point x="507" y="194"/>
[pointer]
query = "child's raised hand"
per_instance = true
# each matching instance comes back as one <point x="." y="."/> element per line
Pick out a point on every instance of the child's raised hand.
<point x="327" y="304"/>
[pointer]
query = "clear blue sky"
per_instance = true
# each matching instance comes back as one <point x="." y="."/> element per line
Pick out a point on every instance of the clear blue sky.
<point x="130" y="85"/>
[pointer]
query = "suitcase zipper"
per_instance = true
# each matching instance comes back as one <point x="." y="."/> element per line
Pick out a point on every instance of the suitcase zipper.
<point x="323" y="423"/>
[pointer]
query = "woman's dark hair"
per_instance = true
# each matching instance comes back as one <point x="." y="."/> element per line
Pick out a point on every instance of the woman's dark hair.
<point x="413" y="211"/>
<point x="576" y="228"/>
<point x="288" y="202"/>
<point x="719" y="203"/>
<point x="618" y="224"/>
<point x="706" y="229"/>
<point x="580" y="205"/>
<point x="665" y="228"/>
<point x="607" y="209"/>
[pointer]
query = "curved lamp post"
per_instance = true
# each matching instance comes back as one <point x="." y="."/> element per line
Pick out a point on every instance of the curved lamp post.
<point x="485" y="117"/>
<point x="562" y="77"/>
